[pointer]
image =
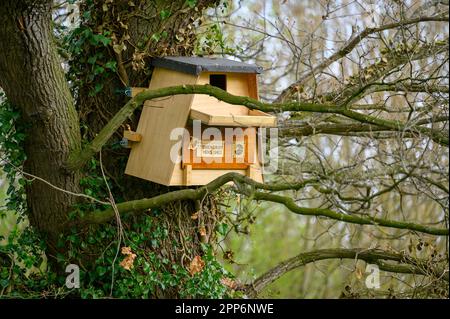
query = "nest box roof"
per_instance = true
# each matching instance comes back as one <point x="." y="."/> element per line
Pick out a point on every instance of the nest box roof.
<point x="196" y="65"/>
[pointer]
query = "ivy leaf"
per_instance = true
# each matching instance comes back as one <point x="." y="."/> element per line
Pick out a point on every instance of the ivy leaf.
<point x="87" y="15"/>
<point x="92" y="59"/>
<point x="98" y="87"/>
<point x="99" y="70"/>
<point x="155" y="37"/>
<point x="164" y="14"/>
<point x="222" y="229"/>
<point x="191" y="3"/>
<point x="101" y="270"/>
<point x="100" y="38"/>
<point x="112" y="65"/>
<point x="104" y="40"/>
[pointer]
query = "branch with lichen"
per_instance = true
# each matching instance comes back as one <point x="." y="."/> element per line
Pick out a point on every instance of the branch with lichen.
<point x="385" y="260"/>
<point x="247" y="186"/>
<point x="77" y="159"/>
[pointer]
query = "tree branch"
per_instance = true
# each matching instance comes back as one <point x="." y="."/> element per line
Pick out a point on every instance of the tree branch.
<point x="142" y="205"/>
<point x="360" y="84"/>
<point x="370" y="256"/>
<point x="353" y="219"/>
<point x="306" y="129"/>
<point x="348" y="47"/>
<point x="77" y="159"/>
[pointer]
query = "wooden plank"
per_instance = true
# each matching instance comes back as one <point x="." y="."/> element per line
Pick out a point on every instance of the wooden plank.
<point x="236" y="85"/>
<point x="200" y="177"/>
<point x="252" y="172"/>
<point x="150" y="159"/>
<point x="199" y="115"/>
<point x="260" y="120"/>
<point x="187" y="175"/>
<point x="258" y="113"/>
<point x="132" y="136"/>
<point x="253" y="86"/>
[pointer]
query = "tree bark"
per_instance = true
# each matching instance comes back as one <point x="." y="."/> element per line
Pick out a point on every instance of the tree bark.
<point x="32" y="77"/>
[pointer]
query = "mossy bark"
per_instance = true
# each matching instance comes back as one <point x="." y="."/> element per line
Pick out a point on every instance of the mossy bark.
<point x="33" y="79"/>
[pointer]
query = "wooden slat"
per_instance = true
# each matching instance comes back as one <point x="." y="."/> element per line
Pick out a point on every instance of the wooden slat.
<point x="252" y="172"/>
<point x="253" y="86"/>
<point x="236" y="85"/>
<point x="208" y="163"/>
<point x="200" y="176"/>
<point x="187" y="176"/>
<point x="262" y="120"/>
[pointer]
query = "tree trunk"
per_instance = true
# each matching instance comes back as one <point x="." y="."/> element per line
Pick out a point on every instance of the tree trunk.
<point x="33" y="80"/>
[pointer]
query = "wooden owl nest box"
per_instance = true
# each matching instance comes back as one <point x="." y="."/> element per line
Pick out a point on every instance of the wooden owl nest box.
<point x="226" y="140"/>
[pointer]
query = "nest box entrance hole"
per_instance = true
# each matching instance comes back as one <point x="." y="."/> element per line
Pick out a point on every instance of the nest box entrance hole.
<point x="218" y="80"/>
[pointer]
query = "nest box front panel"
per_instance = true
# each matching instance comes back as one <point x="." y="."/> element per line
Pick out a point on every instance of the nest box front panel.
<point x="232" y="149"/>
<point x="236" y="84"/>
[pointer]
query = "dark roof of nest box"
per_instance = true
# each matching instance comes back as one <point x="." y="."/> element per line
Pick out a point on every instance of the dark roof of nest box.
<point x="196" y="65"/>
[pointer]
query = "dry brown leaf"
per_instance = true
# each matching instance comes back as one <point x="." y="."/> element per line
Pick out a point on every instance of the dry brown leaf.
<point x="128" y="261"/>
<point x="126" y="250"/>
<point x="202" y="231"/>
<point x="228" y="282"/>
<point x="196" y="265"/>
<point x="194" y="216"/>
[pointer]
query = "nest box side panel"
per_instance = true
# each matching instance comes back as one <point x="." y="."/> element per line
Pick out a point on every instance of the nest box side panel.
<point x="150" y="158"/>
<point x="253" y="90"/>
<point x="237" y="84"/>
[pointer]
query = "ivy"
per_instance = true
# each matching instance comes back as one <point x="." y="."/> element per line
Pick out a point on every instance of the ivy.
<point x="151" y="274"/>
<point x="12" y="138"/>
<point x="79" y="42"/>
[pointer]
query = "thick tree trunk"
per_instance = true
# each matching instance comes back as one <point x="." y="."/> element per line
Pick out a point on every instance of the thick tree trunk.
<point x="33" y="80"/>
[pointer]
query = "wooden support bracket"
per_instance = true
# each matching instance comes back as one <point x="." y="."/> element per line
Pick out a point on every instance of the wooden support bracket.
<point x="132" y="136"/>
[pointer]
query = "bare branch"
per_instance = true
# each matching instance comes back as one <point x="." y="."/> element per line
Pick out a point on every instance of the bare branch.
<point x="348" y="47"/>
<point x="405" y="264"/>
<point x="142" y="205"/>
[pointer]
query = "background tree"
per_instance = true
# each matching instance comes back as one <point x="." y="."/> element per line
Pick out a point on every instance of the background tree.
<point x="362" y="94"/>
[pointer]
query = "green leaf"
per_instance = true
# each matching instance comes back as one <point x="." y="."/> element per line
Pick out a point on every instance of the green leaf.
<point x="98" y="87"/>
<point x="104" y="40"/>
<point x="155" y="37"/>
<point x="164" y="14"/>
<point x="92" y="59"/>
<point x="99" y="70"/>
<point x="112" y="65"/>
<point x="101" y="270"/>
<point x="191" y="3"/>
<point x="87" y="15"/>
<point x="222" y="229"/>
